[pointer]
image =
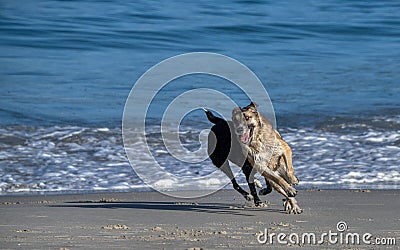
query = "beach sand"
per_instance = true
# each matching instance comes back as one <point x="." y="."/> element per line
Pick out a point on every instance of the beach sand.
<point x="224" y="220"/>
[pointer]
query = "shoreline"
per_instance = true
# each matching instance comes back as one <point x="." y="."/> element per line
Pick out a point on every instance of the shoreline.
<point x="228" y="187"/>
<point x="223" y="220"/>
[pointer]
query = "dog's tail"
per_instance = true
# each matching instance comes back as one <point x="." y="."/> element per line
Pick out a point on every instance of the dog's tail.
<point x="212" y="118"/>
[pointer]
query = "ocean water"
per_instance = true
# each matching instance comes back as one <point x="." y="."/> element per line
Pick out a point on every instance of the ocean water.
<point x="331" y="69"/>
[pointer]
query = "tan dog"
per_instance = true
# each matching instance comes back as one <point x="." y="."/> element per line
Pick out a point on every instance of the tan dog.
<point x="267" y="152"/>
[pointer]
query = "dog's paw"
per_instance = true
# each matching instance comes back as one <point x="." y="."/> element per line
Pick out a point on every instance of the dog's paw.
<point x="258" y="183"/>
<point x="294" y="180"/>
<point x="295" y="210"/>
<point x="287" y="205"/>
<point x="260" y="204"/>
<point x="257" y="202"/>
<point x="291" y="191"/>
<point x="265" y="191"/>
<point x="249" y="197"/>
<point x="291" y="206"/>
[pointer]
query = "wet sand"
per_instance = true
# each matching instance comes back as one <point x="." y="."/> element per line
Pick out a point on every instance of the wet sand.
<point x="224" y="220"/>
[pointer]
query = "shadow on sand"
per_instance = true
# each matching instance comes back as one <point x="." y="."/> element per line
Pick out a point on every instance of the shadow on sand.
<point x="214" y="208"/>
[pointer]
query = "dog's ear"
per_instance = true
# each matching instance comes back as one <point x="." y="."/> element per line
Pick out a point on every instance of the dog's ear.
<point x="236" y="110"/>
<point x="254" y="105"/>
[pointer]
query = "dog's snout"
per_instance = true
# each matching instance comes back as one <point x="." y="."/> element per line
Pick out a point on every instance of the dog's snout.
<point x="240" y="129"/>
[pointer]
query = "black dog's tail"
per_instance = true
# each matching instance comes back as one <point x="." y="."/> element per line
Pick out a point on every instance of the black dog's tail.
<point x="212" y="118"/>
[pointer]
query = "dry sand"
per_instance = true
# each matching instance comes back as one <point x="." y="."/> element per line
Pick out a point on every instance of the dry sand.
<point x="149" y="220"/>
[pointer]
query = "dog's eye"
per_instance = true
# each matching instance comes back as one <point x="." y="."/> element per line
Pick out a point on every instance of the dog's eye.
<point x="246" y="117"/>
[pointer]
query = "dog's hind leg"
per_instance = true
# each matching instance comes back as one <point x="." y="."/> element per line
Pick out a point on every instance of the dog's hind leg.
<point x="287" y="157"/>
<point x="249" y="172"/>
<point x="226" y="169"/>
<point x="266" y="190"/>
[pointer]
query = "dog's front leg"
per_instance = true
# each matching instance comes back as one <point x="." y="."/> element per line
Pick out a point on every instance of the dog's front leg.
<point x="226" y="169"/>
<point x="281" y="185"/>
<point x="249" y="172"/>
<point x="267" y="172"/>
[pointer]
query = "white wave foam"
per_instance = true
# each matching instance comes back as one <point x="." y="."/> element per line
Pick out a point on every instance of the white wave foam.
<point x="77" y="158"/>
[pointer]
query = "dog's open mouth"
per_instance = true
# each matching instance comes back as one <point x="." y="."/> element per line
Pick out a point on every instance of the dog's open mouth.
<point x="246" y="137"/>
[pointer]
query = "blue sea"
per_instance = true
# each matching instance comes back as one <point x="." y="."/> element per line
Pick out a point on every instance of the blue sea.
<point x="331" y="69"/>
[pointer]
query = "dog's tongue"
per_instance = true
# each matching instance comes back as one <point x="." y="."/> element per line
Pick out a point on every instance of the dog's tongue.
<point x="245" y="137"/>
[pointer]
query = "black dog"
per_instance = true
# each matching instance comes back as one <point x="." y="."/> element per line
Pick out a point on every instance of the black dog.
<point x="223" y="145"/>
